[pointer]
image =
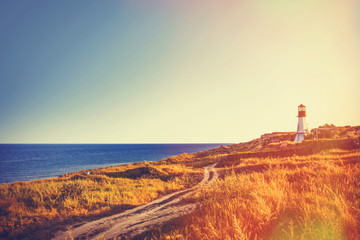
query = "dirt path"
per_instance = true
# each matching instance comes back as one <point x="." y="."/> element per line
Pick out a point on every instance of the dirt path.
<point x="140" y="219"/>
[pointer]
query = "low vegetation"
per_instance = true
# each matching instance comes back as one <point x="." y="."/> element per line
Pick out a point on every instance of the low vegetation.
<point x="28" y="208"/>
<point x="316" y="196"/>
<point x="269" y="188"/>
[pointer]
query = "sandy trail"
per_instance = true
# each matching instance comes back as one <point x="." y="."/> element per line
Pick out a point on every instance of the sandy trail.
<point x="140" y="219"/>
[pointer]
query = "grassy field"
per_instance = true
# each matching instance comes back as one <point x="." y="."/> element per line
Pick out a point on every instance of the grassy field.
<point x="32" y="209"/>
<point x="316" y="196"/>
<point x="267" y="190"/>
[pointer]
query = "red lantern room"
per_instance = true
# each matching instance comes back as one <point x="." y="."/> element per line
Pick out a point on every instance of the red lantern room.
<point x="301" y="111"/>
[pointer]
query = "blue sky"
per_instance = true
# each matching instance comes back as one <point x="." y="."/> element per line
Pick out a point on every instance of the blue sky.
<point x="174" y="71"/>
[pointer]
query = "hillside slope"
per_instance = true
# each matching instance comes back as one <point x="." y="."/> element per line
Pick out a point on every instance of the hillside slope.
<point x="279" y="190"/>
<point x="269" y="188"/>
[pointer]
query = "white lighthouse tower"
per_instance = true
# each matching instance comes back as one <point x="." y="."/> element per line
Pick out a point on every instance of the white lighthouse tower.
<point x="302" y="128"/>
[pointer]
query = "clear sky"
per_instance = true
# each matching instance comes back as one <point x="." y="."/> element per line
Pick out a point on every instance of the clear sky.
<point x="165" y="71"/>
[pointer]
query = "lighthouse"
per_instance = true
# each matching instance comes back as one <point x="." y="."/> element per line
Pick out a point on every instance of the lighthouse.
<point x="302" y="127"/>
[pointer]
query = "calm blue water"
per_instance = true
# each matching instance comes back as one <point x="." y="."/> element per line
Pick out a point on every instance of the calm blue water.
<point x="25" y="162"/>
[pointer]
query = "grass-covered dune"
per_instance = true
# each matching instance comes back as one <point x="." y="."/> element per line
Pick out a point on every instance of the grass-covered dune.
<point x="34" y="210"/>
<point x="269" y="188"/>
<point x="262" y="195"/>
<point x="307" y="197"/>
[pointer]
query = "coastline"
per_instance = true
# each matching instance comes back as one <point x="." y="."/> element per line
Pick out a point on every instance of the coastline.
<point x="28" y="162"/>
<point x="43" y="207"/>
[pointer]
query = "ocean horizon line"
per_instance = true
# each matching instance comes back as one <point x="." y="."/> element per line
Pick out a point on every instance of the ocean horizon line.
<point x="30" y="161"/>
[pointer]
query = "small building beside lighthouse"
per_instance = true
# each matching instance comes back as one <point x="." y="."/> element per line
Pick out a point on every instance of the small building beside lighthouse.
<point x="302" y="127"/>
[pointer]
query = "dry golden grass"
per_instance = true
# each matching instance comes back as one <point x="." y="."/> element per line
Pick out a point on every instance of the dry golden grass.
<point x="198" y="160"/>
<point x="265" y="193"/>
<point x="307" y="197"/>
<point x="29" y="206"/>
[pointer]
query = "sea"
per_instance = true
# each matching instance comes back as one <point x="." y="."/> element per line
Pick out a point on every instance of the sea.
<point x="26" y="162"/>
